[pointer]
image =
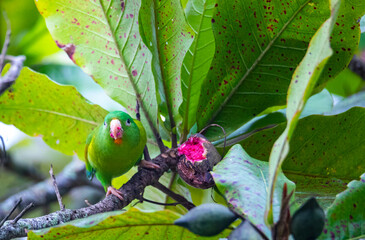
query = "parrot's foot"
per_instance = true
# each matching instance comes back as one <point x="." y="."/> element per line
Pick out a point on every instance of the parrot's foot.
<point x="148" y="164"/>
<point x="115" y="192"/>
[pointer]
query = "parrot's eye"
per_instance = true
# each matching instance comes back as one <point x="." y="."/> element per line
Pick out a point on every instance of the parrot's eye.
<point x="105" y="124"/>
<point x="128" y="122"/>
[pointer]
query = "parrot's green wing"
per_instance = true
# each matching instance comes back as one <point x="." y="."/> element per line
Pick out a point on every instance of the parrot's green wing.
<point x="90" y="172"/>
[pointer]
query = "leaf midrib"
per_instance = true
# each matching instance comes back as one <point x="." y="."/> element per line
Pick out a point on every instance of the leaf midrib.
<point x="248" y="72"/>
<point x="149" y="225"/>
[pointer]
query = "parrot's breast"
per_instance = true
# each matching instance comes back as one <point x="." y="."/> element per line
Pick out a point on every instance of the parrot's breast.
<point x="113" y="159"/>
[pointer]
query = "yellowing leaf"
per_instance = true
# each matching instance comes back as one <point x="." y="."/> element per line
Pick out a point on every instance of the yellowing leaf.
<point x="129" y="225"/>
<point x="59" y="114"/>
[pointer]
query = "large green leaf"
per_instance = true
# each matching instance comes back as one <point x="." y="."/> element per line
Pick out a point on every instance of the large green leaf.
<point x="243" y="180"/>
<point x="39" y="107"/>
<point x="356" y="100"/>
<point x="346" y="216"/>
<point x="197" y="60"/>
<point x="325" y="152"/>
<point x="132" y="224"/>
<point x="320" y="103"/>
<point x="102" y="37"/>
<point x="167" y="34"/>
<point x="259" y="44"/>
<point x="345" y="84"/>
<point x="301" y="87"/>
<point x="85" y="85"/>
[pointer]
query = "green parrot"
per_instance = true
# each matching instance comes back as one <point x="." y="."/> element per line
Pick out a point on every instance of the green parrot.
<point x="113" y="148"/>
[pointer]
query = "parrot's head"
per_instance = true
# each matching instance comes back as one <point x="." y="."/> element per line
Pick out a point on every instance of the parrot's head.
<point x="118" y="123"/>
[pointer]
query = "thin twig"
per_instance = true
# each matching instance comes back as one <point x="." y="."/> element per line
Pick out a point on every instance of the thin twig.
<point x="87" y="202"/>
<point x="172" y="180"/>
<point x="59" y="198"/>
<point x="146" y="154"/>
<point x="6" y="42"/>
<point x="138" y="115"/>
<point x="158" y="203"/>
<point x="177" y="197"/>
<point x="157" y="135"/>
<point x="3" y="152"/>
<point x="16" y="219"/>
<point x="11" y="212"/>
<point x="145" y="150"/>
<point x="224" y="132"/>
<point x="155" y="132"/>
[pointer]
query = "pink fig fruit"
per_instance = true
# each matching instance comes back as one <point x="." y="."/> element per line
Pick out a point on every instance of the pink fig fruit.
<point x="197" y="158"/>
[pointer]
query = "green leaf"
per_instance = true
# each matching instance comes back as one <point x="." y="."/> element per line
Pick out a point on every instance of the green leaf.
<point x="132" y="224"/>
<point x="300" y="89"/>
<point x="243" y="181"/>
<point x="258" y="46"/>
<point x="325" y="152"/>
<point x="343" y="43"/>
<point x="320" y="103"/>
<point x="362" y="24"/>
<point x="103" y="39"/>
<point x="73" y="75"/>
<point x="245" y="231"/>
<point x="197" y="60"/>
<point x="168" y="36"/>
<point x="345" y="84"/>
<point x="356" y="100"/>
<point x="39" y="107"/>
<point x="346" y="216"/>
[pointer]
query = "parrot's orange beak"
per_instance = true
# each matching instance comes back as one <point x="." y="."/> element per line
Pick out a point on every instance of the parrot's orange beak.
<point x="116" y="130"/>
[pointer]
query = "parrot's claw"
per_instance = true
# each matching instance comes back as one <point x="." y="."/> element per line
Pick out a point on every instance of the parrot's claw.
<point x="148" y="164"/>
<point x="115" y="192"/>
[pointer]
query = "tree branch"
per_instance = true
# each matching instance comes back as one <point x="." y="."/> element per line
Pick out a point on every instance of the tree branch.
<point x="43" y="193"/>
<point x="180" y="199"/>
<point x="12" y="74"/>
<point x="6" y="42"/>
<point x="23" y="170"/>
<point x="131" y="190"/>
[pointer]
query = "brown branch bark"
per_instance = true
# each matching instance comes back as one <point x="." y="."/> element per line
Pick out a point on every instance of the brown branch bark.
<point x="6" y="41"/>
<point x="131" y="190"/>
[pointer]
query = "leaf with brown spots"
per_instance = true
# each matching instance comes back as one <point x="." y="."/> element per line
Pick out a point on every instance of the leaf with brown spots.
<point x="102" y="37"/>
<point x="259" y="44"/>
<point x="301" y="86"/>
<point x="40" y="107"/>
<point x="243" y="181"/>
<point x="346" y="217"/>
<point x="132" y="224"/>
<point x="326" y="152"/>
